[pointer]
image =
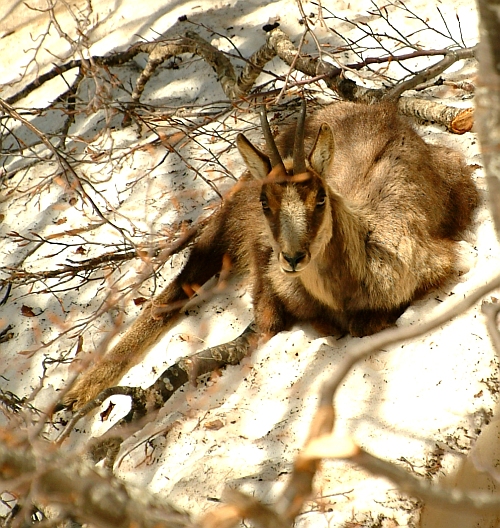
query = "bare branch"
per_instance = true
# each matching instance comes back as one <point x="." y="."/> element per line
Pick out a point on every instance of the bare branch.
<point x="277" y="43"/>
<point x="187" y="369"/>
<point x="81" y="492"/>
<point x="424" y="76"/>
<point x="456" y="120"/>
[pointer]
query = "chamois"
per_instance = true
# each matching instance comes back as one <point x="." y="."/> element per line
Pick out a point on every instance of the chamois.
<point x="345" y="238"/>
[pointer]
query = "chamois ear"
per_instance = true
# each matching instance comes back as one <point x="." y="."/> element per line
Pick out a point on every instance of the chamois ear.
<point x="322" y="152"/>
<point x="256" y="161"/>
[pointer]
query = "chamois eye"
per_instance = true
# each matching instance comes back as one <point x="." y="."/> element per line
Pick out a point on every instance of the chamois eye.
<point x="264" y="203"/>
<point x="320" y="199"/>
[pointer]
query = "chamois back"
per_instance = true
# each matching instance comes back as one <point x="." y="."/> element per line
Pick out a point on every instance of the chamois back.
<point x="376" y="148"/>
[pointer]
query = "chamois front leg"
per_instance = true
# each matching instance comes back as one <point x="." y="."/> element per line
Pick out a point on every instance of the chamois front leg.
<point x="271" y="316"/>
<point x="368" y="322"/>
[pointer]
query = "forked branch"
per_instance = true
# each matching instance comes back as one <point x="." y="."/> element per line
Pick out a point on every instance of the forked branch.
<point x="237" y="87"/>
<point x="187" y="369"/>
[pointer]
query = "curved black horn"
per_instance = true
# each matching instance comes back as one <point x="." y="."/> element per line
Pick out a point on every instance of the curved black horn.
<point x="272" y="149"/>
<point x="299" y="157"/>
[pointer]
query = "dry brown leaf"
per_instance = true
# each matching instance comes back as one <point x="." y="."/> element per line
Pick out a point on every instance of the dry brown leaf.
<point x="105" y="414"/>
<point x="27" y="311"/>
<point x="215" y="425"/>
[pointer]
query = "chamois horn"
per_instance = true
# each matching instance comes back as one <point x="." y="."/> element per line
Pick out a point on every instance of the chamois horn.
<point x="299" y="157"/>
<point x="272" y="149"/>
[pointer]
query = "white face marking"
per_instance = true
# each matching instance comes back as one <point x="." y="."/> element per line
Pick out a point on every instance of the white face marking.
<point x="293" y="221"/>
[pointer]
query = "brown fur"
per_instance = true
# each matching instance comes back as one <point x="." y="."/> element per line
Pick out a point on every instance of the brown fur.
<point x="368" y="228"/>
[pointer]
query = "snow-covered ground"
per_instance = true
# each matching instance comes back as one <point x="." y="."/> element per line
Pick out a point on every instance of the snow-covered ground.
<point x="420" y="404"/>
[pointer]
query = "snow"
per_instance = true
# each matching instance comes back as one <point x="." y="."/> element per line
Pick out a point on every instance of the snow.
<point x="242" y="427"/>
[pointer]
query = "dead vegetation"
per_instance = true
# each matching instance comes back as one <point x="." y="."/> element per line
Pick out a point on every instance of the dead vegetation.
<point x="71" y="169"/>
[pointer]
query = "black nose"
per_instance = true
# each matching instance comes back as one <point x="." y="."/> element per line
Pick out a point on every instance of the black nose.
<point x="294" y="260"/>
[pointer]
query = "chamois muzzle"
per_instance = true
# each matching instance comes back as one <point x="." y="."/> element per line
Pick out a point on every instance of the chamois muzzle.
<point x="294" y="263"/>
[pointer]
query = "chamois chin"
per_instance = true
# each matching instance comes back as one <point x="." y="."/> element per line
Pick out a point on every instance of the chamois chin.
<point x="345" y="237"/>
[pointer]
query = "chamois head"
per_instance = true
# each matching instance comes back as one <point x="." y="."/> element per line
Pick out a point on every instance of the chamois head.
<point x="294" y="195"/>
